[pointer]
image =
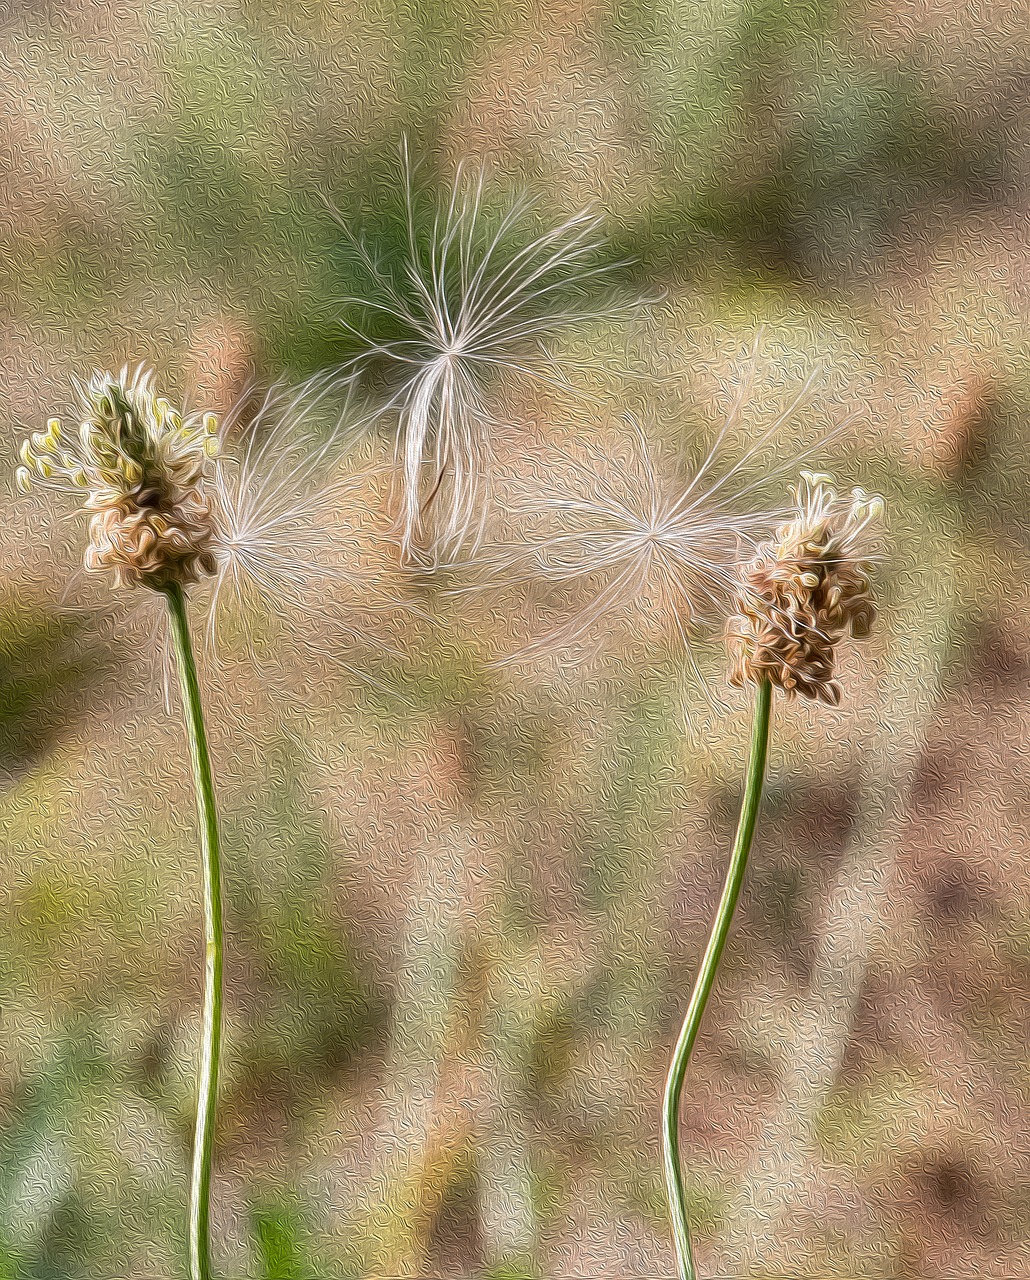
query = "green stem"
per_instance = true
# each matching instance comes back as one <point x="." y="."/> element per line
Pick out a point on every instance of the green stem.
<point x="706" y="979"/>
<point x="203" y="1141"/>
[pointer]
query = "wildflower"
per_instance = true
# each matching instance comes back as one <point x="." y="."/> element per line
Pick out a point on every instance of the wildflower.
<point x="804" y="592"/>
<point x="797" y="599"/>
<point x="145" y="472"/>
<point x="473" y="303"/>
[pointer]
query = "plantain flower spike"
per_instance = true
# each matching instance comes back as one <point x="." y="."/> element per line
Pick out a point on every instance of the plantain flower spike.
<point x="145" y="473"/>
<point x="804" y="592"/>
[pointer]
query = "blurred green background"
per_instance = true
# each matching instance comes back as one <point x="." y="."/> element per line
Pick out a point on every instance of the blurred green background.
<point x="466" y="902"/>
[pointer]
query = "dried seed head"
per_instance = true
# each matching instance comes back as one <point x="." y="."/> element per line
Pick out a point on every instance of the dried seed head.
<point x="804" y="592"/>
<point x="144" y="470"/>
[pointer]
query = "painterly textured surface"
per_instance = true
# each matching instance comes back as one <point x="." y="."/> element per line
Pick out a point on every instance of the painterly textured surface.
<point x="474" y="829"/>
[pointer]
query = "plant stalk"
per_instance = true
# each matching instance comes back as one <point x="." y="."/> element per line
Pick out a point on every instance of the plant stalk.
<point x="706" y="979"/>
<point x="211" y="1043"/>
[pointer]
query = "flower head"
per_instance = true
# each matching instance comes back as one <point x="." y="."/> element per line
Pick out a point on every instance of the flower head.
<point x="144" y="471"/>
<point x="804" y="592"/>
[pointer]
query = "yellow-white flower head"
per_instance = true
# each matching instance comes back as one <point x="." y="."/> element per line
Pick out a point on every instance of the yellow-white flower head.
<point x="804" y="592"/>
<point x="144" y="472"/>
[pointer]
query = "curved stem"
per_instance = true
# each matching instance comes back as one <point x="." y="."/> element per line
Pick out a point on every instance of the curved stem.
<point x="706" y="979"/>
<point x="203" y="1141"/>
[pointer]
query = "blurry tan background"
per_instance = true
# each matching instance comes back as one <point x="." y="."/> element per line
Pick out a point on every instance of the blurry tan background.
<point x="466" y="901"/>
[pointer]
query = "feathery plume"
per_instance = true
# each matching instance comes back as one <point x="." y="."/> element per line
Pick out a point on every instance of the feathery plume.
<point x="804" y="592"/>
<point x="633" y="540"/>
<point x="277" y="493"/>
<point x="636" y="540"/>
<point x="473" y="302"/>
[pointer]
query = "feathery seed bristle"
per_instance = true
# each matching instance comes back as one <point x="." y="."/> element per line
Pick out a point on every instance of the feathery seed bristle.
<point x="476" y="299"/>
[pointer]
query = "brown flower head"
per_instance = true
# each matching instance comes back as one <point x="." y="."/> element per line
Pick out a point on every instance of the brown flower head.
<point x="804" y="592"/>
<point x="145" y="472"/>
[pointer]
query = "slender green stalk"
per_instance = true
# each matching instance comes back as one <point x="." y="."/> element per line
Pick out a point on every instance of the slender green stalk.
<point x="706" y="979"/>
<point x="203" y="1141"/>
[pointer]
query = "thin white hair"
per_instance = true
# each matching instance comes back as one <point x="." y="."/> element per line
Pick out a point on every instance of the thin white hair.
<point x="621" y="530"/>
<point x="279" y="493"/>
<point x="478" y="303"/>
